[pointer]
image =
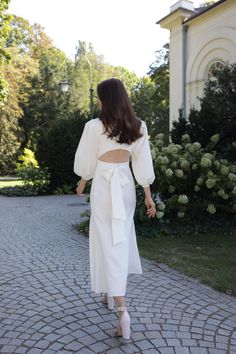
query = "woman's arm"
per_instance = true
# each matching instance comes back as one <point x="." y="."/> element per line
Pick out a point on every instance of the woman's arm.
<point x="81" y="186"/>
<point x="150" y="204"/>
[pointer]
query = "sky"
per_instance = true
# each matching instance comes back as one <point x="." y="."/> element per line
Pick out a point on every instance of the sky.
<point x="124" y="32"/>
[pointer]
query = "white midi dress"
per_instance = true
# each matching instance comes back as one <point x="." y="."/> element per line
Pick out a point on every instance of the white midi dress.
<point x="113" y="250"/>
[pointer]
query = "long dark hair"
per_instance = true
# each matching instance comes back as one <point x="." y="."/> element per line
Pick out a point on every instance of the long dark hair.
<point x="117" y="114"/>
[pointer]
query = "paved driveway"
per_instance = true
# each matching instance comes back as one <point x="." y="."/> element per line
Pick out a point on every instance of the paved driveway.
<point x="46" y="305"/>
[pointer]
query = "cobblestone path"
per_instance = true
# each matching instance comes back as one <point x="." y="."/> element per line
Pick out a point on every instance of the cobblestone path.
<point x="46" y="305"/>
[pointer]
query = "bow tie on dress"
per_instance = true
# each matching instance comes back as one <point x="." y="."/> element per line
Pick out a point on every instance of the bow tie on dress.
<point x="117" y="178"/>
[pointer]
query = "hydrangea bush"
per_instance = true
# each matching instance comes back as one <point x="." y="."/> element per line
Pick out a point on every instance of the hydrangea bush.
<point x="192" y="181"/>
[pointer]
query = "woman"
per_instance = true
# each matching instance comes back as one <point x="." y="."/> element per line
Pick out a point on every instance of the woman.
<point x="103" y="153"/>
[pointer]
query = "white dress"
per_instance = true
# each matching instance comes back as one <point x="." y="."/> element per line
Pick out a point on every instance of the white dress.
<point x="113" y="247"/>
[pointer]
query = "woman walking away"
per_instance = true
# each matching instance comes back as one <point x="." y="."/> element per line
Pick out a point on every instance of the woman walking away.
<point x="104" y="151"/>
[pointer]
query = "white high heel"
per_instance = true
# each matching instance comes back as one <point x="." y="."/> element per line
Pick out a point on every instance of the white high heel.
<point x="110" y="302"/>
<point x="123" y="329"/>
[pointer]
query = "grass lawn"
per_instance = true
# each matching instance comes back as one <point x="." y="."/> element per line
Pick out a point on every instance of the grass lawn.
<point x="208" y="257"/>
<point x="9" y="183"/>
<point x="211" y="257"/>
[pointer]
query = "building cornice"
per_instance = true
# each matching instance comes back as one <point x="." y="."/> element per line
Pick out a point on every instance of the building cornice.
<point x="209" y="8"/>
<point x="184" y="15"/>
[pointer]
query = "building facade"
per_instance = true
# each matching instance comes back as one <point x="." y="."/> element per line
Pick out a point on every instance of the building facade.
<point x="200" y="40"/>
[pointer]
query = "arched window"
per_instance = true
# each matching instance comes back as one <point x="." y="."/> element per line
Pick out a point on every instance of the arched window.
<point x="217" y="65"/>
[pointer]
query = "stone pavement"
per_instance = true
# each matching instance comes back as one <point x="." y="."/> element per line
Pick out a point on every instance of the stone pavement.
<point x="46" y="305"/>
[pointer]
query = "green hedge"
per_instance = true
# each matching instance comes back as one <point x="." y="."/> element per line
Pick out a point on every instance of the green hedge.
<point x="56" y="150"/>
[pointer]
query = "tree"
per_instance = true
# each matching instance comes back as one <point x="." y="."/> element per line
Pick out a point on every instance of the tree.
<point x="79" y="76"/>
<point x="28" y="39"/>
<point x="4" y="54"/>
<point x="151" y="95"/>
<point x="159" y="73"/>
<point x="17" y="73"/>
<point x="45" y="101"/>
<point x="142" y="97"/>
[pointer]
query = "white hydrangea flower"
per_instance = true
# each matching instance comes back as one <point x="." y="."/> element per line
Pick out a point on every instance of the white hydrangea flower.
<point x="234" y="191"/>
<point x="196" y="145"/>
<point x="184" y="163"/>
<point x="163" y="168"/>
<point x="160" y="136"/>
<point x="169" y="172"/>
<point x="159" y="143"/>
<point x="232" y="177"/>
<point x="224" y="170"/>
<point x="160" y="160"/>
<point x="210" y="182"/>
<point x="188" y="145"/>
<point x="221" y="192"/>
<point x="216" y="163"/>
<point x="196" y="188"/>
<point x="210" y="174"/>
<point x="225" y="196"/>
<point x="185" y="138"/>
<point x="174" y="150"/>
<point x="161" y="206"/>
<point x="209" y="156"/>
<point x="211" y="208"/>
<point x="232" y="168"/>
<point x="179" y="173"/>
<point x="165" y="160"/>
<point x="205" y="162"/>
<point x="181" y="214"/>
<point x="195" y="166"/>
<point x="200" y="181"/>
<point x="179" y="147"/>
<point x="183" y="199"/>
<point x="215" y="138"/>
<point x="154" y="154"/>
<point x="224" y="162"/>
<point x="159" y="214"/>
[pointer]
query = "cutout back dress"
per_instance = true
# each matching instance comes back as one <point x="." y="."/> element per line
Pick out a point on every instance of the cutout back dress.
<point x="113" y="250"/>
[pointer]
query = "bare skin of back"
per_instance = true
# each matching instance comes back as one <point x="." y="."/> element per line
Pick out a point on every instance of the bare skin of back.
<point x="118" y="155"/>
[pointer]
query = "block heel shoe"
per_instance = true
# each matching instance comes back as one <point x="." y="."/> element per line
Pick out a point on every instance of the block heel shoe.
<point x="123" y="328"/>
<point x="109" y="301"/>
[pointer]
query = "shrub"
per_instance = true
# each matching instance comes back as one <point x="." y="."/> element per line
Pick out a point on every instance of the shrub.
<point x="35" y="181"/>
<point x="56" y="150"/>
<point x="26" y="160"/>
<point x="192" y="181"/>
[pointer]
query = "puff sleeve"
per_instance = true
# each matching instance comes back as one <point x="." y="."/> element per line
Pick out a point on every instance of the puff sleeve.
<point x="141" y="160"/>
<point x="86" y="154"/>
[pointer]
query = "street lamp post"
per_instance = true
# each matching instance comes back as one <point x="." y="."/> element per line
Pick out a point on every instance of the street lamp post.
<point x="64" y="84"/>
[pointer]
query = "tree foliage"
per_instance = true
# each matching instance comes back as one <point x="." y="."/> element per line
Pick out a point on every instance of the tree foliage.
<point x="4" y="54"/>
<point x="56" y="150"/>
<point x="17" y="73"/>
<point x="151" y="95"/>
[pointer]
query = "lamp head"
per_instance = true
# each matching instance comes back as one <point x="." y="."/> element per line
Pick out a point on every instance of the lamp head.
<point x="64" y="84"/>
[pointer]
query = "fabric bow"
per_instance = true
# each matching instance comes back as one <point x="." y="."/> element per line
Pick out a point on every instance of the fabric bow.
<point x="117" y="179"/>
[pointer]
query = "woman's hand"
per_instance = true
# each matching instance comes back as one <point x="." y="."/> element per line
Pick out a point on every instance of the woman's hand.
<point x="151" y="207"/>
<point x="80" y="188"/>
